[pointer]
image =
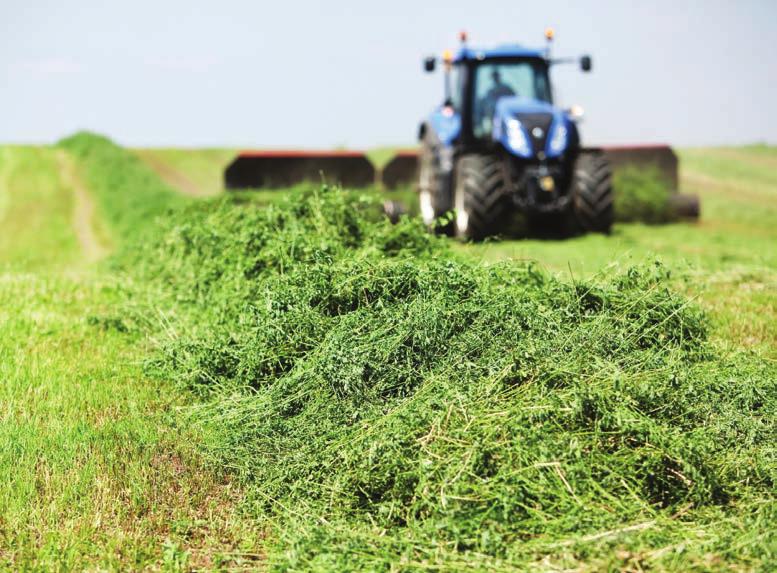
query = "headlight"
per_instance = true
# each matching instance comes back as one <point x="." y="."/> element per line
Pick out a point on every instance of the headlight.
<point x="559" y="140"/>
<point x="516" y="138"/>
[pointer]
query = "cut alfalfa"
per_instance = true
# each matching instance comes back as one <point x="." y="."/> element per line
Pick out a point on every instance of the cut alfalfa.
<point x="391" y="406"/>
<point x="642" y="195"/>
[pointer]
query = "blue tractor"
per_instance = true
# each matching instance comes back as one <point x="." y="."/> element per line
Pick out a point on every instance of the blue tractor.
<point x="498" y="145"/>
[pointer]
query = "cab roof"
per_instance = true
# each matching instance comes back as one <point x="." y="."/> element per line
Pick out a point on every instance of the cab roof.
<point x="503" y="51"/>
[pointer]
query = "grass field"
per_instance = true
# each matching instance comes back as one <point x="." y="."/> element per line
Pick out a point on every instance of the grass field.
<point x="105" y="464"/>
<point x="195" y="172"/>
<point x="96" y="472"/>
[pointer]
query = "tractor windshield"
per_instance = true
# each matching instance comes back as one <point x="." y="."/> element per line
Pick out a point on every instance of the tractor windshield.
<point x="499" y="78"/>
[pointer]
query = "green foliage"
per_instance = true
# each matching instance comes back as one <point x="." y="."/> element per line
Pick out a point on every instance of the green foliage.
<point x="198" y="172"/>
<point x="641" y="195"/>
<point x="96" y="471"/>
<point x="386" y="404"/>
<point x="129" y="194"/>
<point x="392" y="406"/>
<point x="36" y="211"/>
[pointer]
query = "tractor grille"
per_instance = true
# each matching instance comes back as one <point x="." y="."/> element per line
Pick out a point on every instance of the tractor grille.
<point x="531" y="121"/>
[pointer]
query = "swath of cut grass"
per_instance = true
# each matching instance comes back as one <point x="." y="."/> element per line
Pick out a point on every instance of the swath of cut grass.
<point x="391" y="405"/>
<point x="641" y="195"/>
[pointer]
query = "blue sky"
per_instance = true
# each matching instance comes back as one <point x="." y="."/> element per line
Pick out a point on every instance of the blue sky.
<point x="334" y="73"/>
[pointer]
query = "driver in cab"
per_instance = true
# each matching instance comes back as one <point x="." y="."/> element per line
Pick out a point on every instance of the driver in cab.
<point x="498" y="90"/>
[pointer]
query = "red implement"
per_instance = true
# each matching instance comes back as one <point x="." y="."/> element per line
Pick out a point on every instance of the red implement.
<point x="283" y="168"/>
<point x="402" y="169"/>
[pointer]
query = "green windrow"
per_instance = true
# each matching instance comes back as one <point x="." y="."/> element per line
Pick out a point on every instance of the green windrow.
<point x="378" y="398"/>
<point x="390" y="404"/>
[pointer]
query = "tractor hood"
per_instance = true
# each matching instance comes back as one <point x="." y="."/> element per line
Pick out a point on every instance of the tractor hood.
<point x="532" y="129"/>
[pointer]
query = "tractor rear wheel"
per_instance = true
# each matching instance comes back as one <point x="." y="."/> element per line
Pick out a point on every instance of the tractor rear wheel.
<point x="433" y="189"/>
<point x="480" y="198"/>
<point x="592" y="198"/>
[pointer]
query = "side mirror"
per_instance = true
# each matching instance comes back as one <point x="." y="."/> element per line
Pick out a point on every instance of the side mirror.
<point x="430" y="63"/>
<point x="585" y="63"/>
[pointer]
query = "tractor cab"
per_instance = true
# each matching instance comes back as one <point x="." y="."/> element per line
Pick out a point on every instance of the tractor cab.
<point x="487" y="88"/>
<point x="512" y="83"/>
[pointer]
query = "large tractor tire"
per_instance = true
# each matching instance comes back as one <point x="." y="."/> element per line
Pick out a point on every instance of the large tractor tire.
<point x="434" y="194"/>
<point x="481" y="202"/>
<point x="592" y="197"/>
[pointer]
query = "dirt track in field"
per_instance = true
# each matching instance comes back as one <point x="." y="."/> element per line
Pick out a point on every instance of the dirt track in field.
<point x="83" y="219"/>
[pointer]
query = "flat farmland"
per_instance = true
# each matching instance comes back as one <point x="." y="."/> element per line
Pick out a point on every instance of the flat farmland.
<point x="192" y="381"/>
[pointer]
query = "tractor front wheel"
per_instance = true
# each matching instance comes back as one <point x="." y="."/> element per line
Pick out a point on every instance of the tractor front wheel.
<point x="592" y="198"/>
<point x="481" y="203"/>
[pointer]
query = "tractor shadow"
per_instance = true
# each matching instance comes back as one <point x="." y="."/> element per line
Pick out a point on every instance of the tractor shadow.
<point x="541" y="227"/>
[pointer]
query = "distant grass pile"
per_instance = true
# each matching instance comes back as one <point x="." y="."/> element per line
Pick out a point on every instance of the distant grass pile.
<point x="390" y="406"/>
<point x="641" y="196"/>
